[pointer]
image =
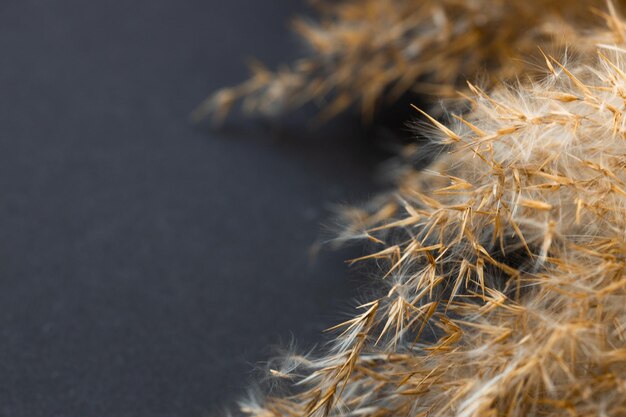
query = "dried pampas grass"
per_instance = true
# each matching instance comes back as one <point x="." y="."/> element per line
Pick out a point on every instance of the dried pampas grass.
<point x="365" y="53"/>
<point x="513" y="246"/>
<point x="508" y="251"/>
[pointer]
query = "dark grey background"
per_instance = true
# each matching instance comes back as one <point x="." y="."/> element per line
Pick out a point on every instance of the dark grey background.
<point x="145" y="263"/>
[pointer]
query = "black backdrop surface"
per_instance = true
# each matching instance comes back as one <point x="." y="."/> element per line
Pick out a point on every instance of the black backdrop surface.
<point x="145" y="263"/>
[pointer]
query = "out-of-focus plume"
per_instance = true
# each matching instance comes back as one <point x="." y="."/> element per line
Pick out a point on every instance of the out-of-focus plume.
<point x="368" y="53"/>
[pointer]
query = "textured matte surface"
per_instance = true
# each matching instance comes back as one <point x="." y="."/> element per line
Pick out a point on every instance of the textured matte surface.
<point x="145" y="263"/>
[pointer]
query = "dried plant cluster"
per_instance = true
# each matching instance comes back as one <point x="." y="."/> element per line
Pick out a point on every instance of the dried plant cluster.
<point x="365" y="53"/>
<point x="509" y="250"/>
